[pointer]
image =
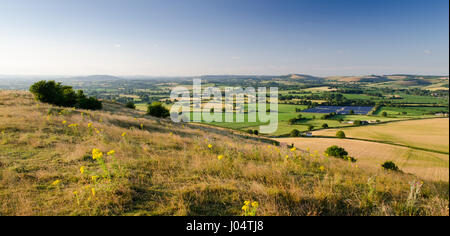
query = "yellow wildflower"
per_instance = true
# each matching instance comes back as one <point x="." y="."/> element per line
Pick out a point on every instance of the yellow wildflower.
<point x="110" y="153"/>
<point x="293" y="149"/>
<point x="93" y="192"/>
<point x="210" y="146"/>
<point x="73" y="125"/>
<point x="142" y="126"/>
<point x="64" y="122"/>
<point x="220" y="157"/>
<point x="123" y="134"/>
<point x="245" y="208"/>
<point x="56" y="182"/>
<point x="96" y="154"/>
<point x="255" y="204"/>
<point x="82" y="169"/>
<point x="94" y="178"/>
<point x="89" y="125"/>
<point x="247" y="203"/>
<point x="321" y="168"/>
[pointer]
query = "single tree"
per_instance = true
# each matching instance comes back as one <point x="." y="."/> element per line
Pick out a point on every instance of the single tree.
<point x="340" y="134"/>
<point x="130" y="105"/>
<point x="158" y="110"/>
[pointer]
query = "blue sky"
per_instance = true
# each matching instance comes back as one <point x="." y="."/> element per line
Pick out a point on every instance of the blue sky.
<point x="196" y="37"/>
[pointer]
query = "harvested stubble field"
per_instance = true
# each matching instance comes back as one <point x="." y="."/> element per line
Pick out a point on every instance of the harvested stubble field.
<point x="426" y="165"/>
<point x="430" y="134"/>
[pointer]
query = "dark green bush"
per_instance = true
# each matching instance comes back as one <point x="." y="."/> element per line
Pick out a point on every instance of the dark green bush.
<point x="348" y="158"/>
<point x="158" y="110"/>
<point x="389" y="165"/>
<point x="340" y="134"/>
<point x="295" y="133"/>
<point x="130" y="105"/>
<point x="336" y="151"/>
<point x="60" y="95"/>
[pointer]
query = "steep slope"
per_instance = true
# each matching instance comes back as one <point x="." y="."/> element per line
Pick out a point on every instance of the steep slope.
<point x="47" y="167"/>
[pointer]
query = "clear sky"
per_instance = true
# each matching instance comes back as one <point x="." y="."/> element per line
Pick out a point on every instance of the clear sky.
<point x="197" y="37"/>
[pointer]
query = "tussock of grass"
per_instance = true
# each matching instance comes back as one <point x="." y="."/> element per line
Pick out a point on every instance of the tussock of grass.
<point x="168" y="169"/>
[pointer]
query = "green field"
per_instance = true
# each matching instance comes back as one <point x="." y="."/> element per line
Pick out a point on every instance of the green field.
<point x="286" y="112"/>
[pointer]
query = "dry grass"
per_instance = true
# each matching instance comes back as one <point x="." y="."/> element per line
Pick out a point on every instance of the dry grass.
<point x="427" y="165"/>
<point x="428" y="133"/>
<point x="168" y="169"/>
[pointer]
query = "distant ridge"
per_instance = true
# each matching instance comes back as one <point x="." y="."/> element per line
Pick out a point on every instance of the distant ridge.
<point x="95" y="78"/>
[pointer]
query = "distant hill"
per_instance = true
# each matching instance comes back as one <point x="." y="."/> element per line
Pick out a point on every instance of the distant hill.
<point x="361" y="79"/>
<point x="93" y="78"/>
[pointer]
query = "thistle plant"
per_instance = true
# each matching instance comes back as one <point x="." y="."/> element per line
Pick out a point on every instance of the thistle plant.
<point x="414" y="193"/>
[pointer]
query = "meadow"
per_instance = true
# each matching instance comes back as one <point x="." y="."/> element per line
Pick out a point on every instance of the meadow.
<point x="118" y="161"/>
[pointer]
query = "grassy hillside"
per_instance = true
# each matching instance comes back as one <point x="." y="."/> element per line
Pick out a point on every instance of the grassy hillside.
<point x="160" y="168"/>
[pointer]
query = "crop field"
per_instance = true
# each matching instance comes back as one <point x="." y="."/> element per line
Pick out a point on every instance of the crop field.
<point x="427" y="165"/>
<point x="410" y="111"/>
<point x="339" y="110"/>
<point x="430" y="134"/>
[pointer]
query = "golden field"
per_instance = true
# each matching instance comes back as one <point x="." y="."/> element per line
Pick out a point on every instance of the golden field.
<point x="117" y="161"/>
<point x="427" y="165"/>
<point x="427" y="133"/>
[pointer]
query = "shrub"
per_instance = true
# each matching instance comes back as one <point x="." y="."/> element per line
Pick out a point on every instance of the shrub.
<point x="357" y="122"/>
<point x="348" y="158"/>
<point x="389" y="165"/>
<point x="340" y="134"/>
<point x="158" y="110"/>
<point x="60" y="95"/>
<point x="295" y="133"/>
<point x="310" y="127"/>
<point x="89" y="103"/>
<point x="336" y="151"/>
<point x="255" y="132"/>
<point x="130" y="105"/>
<point x="384" y="114"/>
<point x="325" y="126"/>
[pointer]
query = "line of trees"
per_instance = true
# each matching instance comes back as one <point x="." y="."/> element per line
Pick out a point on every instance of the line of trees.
<point x="62" y="95"/>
